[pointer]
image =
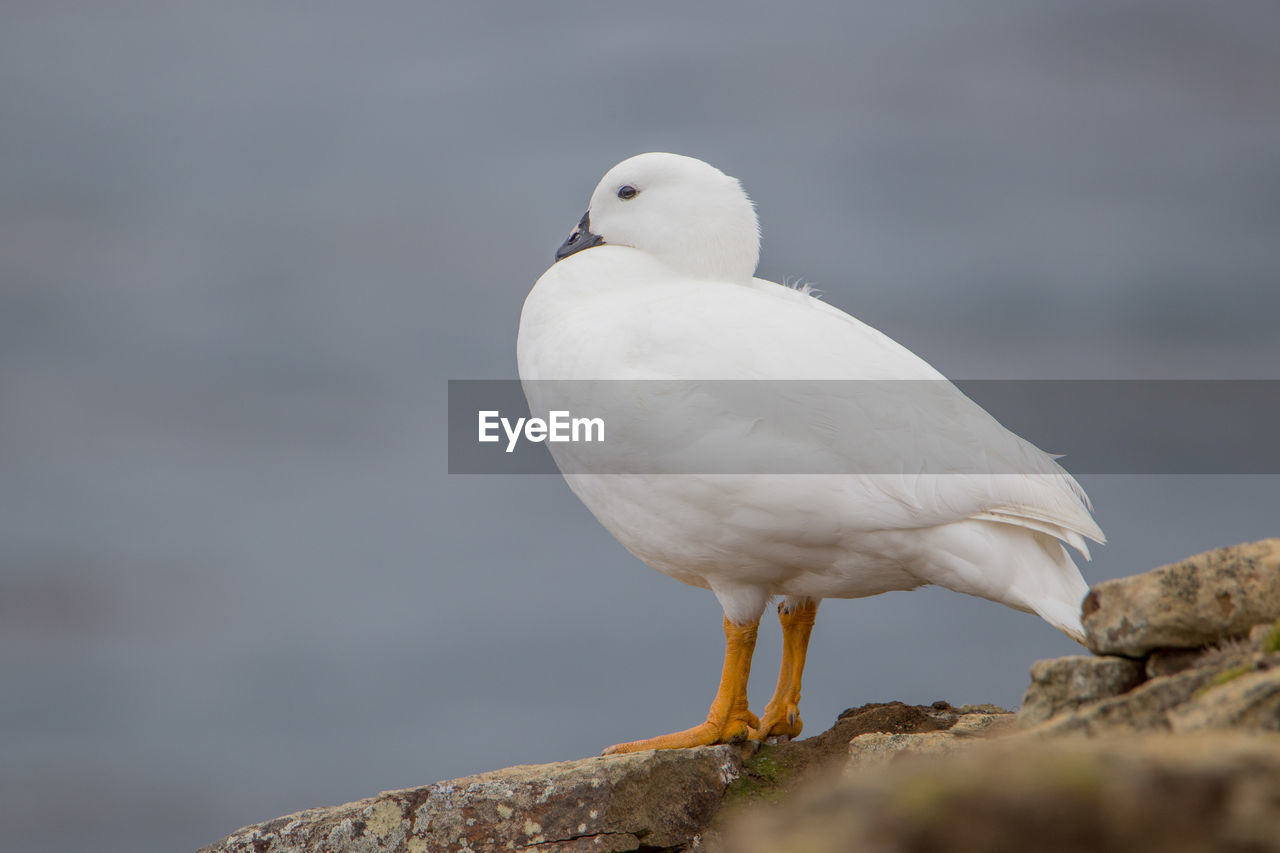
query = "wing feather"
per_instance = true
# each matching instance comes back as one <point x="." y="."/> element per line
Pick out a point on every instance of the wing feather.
<point x="935" y="454"/>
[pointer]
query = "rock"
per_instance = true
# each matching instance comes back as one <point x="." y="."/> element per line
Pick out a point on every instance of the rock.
<point x="985" y="724"/>
<point x="877" y="748"/>
<point x="983" y="708"/>
<point x="1064" y="684"/>
<point x="769" y="775"/>
<point x="1210" y="597"/>
<point x="1266" y="637"/>
<point x="1170" y="661"/>
<point x="1242" y="699"/>
<point x="1145" y="707"/>
<point x="1174" y="794"/>
<point x="1211" y="688"/>
<point x="654" y="800"/>
<point x="650" y="801"/>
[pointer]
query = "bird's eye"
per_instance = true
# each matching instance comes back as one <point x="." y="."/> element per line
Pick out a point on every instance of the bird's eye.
<point x="628" y="192"/>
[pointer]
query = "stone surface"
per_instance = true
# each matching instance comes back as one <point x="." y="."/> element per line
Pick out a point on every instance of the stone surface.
<point x="1064" y="684"/>
<point x="984" y="725"/>
<point x="653" y="800"/>
<point x="877" y="748"/>
<point x="1144" y="708"/>
<point x="1170" y="661"/>
<point x="1173" y="794"/>
<point x="1245" y="699"/>
<point x="771" y="773"/>
<point x="1266" y="637"/>
<point x="1212" y="596"/>
<point x="1214" y="688"/>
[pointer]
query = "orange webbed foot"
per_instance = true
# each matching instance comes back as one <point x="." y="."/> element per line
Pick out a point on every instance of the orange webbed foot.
<point x="780" y="722"/>
<point x="731" y="731"/>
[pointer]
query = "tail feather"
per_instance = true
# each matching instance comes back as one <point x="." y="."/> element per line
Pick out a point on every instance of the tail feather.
<point x="1055" y="591"/>
<point x="1010" y="564"/>
<point x="1063" y="617"/>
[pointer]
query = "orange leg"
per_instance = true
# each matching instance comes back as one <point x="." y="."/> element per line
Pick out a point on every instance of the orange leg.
<point x="729" y="719"/>
<point x="782" y="715"/>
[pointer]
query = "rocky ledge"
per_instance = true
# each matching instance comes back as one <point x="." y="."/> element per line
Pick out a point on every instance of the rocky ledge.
<point x="1185" y="647"/>
<point x="1166" y="738"/>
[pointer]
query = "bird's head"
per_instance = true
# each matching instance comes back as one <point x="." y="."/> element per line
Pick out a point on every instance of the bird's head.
<point x="685" y="213"/>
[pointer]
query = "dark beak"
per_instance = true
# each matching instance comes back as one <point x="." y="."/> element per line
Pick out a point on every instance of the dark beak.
<point x="580" y="239"/>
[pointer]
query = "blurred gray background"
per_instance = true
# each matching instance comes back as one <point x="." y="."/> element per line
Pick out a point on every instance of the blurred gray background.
<point x="244" y="245"/>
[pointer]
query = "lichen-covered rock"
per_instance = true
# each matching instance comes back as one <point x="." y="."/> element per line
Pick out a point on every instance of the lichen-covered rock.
<point x="615" y="803"/>
<point x="1266" y="637"/>
<point x="1145" y="708"/>
<point x="651" y="801"/>
<point x="876" y="748"/>
<point x="1172" y="794"/>
<point x="1202" y="693"/>
<point x="1171" y="661"/>
<point x="984" y="724"/>
<point x="1064" y="684"/>
<point x="1240" y="699"/>
<point x="1213" y="596"/>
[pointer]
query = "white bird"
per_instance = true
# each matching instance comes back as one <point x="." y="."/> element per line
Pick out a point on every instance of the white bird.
<point x="657" y="283"/>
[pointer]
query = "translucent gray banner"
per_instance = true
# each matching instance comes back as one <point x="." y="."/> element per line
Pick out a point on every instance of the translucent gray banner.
<point x="864" y="427"/>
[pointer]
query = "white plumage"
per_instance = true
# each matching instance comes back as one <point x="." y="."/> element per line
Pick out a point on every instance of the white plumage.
<point x="657" y="283"/>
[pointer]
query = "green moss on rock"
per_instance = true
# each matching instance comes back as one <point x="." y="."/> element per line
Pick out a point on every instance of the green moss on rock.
<point x="1225" y="677"/>
<point x="1271" y="642"/>
<point x="763" y="778"/>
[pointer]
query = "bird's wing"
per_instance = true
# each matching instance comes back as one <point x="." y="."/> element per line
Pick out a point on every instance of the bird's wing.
<point x="903" y="432"/>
